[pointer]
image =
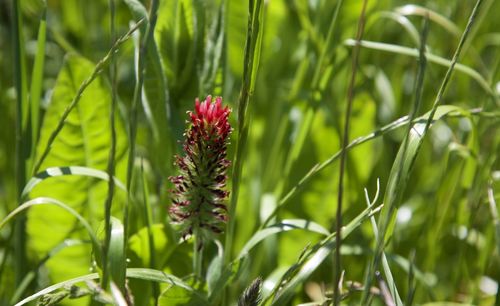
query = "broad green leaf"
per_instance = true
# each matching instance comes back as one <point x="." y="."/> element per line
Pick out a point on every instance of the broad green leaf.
<point x="83" y="141"/>
<point x="177" y="296"/>
<point x="226" y="276"/>
<point x="180" y="36"/>
<point x="211" y="73"/>
<point x="139" y="245"/>
<point x="236" y="28"/>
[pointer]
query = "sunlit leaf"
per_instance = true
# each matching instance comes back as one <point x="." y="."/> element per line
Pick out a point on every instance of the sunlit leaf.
<point x="84" y="141"/>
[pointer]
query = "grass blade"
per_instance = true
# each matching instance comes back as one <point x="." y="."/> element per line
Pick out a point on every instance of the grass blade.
<point x="251" y="65"/>
<point x="50" y="201"/>
<point x="137" y="273"/>
<point x="407" y="154"/>
<point x="311" y="259"/>
<point x="36" y="82"/>
<point x="343" y="155"/>
<point x="71" y="170"/>
<point x="430" y="57"/>
<point x="283" y="226"/>
<point x="22" y="147"/>
<point x="97" y="71"/>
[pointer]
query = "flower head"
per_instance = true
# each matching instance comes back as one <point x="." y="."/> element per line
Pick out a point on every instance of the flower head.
<point x="198" y="203"/>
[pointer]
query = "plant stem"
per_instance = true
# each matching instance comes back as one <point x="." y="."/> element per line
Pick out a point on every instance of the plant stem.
<point x="198" y="256"/>
<point x="22" y="151"/>
<point x="343" y="154"/>
<point x="392" y="200"/>
<point x="251" y="64"/>
<point x="111" y="158"/>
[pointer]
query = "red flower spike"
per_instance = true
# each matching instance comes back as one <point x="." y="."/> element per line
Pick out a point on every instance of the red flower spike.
<point x="198" y="204"/>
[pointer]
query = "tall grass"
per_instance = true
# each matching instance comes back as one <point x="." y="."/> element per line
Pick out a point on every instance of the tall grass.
<point x="329" y="100"/>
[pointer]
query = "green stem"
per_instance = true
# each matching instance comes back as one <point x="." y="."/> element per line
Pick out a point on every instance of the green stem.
<point x="111" y="158"/>
<point x="22" y="151"/>
<point x="251" y="63"/>
<point x="393" y="200"/>
<point x="198" y="256"/>
<point x="343" y="156"/>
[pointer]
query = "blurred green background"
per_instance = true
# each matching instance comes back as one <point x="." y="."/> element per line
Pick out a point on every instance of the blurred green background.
<point x="444" y="224"/>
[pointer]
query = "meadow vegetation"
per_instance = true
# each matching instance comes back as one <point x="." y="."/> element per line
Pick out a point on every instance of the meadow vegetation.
<point x="379" y="118"/>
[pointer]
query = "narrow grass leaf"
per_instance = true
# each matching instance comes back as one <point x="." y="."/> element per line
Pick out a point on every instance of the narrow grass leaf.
<point x="432" y="58"/>
<point x="311" y="260"/>
<point x="37" y="81"/>
<point x="118" y="297"/>
<point x="69" y="170"/>
<point x="413" y="9"/>
<point x="138" y="273"/>
<point x="281" y="227"/>
<point x="50" y="201"/>
<point x="250" y="68"/>
<point x="442" y="111"/>
<point x="116" y="254"/>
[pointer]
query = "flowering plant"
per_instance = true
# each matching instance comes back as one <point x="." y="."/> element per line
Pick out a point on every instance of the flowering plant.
<point x="198" y="204"/>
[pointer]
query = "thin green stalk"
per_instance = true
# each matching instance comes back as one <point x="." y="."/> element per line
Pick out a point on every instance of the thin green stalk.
<point x="400" y="182"/>
<point x="111" y="159"/>
<point x="198" y="257"/>
<point x="22" y="150"/>
<point x="36" y="83"/>
<point x="97" y="70"/>
<point x="387" y="270"/>
<point x="316" y="169"/>
<point x="432" y="58"/>
<point x="251" y="65"/>
<point x="343" y="155"/>
<point x="141" y="66"/>
<point x="138" y="89"/>
<point x="317" y="89"/>
<point x="454" y="60"/>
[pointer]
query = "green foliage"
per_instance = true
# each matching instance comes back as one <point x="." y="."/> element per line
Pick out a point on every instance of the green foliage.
<point x="83" y="141"/>
<point x="284" y="69"/>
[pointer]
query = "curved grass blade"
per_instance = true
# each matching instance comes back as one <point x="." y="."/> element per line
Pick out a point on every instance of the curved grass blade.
<point x="95" y="73"/>
<point x="443" y="110"/>
<point x="283" y="226"/>
<point x="406" y="156"/>
<point x="117" y="295"/>
<point x="138" y="273"/>
<point x="28" y="278"/>
<point x="50" y="201"/>
<point x="387" y="270"/>
<point x="413" y="52"/>
<point x="312" y="259"/>
<point x="413" y="9"/>
<point x="116" y="254"/>
<point x="398" y="18"/>
<point x="71" y="170"/>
